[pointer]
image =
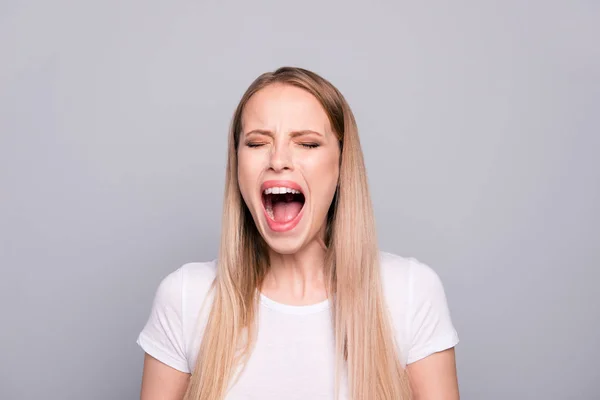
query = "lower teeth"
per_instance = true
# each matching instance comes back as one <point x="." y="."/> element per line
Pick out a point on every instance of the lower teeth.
<point x="270" y="212"/>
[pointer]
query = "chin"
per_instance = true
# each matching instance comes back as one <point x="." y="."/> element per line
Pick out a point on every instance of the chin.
<point x="284" y="242"/>
<point x="285" y="246"/>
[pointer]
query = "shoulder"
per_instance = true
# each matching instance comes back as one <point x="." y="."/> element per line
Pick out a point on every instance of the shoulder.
<point x="187" y="288"/>
<point x="406" y="273"/>
<point x="198" y="276"/>
<point x="416" y="300"/>
<point x="193" y="277"/>
<point x="410" y="284"/>
<point x="169" y="334"/>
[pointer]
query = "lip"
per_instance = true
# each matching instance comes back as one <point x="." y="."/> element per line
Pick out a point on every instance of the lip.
<point x="280" y="183"/>
<point x="282" y="226"/>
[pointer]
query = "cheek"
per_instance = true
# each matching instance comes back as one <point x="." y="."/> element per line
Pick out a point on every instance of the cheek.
<point x="247" y="174"/>
<point x="324" y="174"/>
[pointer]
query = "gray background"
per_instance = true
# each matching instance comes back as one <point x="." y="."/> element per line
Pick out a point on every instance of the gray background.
<point x="480" y="127"/>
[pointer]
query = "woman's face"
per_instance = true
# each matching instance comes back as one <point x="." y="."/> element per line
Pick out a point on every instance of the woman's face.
<point x="288" y="166"/>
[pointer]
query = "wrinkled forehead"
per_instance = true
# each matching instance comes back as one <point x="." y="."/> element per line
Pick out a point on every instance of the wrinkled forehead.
<point x="281" y="108"/>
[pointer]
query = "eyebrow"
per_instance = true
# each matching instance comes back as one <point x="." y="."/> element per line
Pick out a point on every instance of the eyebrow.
<point x="293" y="133"/>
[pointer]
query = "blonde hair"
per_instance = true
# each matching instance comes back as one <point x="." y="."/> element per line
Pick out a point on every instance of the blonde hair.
<point x="365" y="345"/>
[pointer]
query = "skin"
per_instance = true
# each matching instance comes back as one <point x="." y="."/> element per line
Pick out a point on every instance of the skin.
<point x="434" y="377"/>
<point x="287" y="136"/>
<point x="162" y="382"/>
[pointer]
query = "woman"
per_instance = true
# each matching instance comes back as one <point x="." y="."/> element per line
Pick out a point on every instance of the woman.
<point x="300" y="303"/>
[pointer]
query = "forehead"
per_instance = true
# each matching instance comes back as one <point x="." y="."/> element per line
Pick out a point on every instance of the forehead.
<point x="280" y="107"/>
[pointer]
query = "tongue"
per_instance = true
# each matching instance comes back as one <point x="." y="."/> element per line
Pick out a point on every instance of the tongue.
<point x="286" y="211"/>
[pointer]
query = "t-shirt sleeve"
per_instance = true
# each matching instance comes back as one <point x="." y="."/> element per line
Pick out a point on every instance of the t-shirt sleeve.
<point x="162" y="336"/>
<point x="431" y="328"/>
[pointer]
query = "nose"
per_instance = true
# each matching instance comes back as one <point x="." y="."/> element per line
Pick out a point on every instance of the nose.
<point x="280" y="158"/>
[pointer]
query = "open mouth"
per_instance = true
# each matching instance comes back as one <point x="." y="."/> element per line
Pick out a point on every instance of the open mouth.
<point x="282" y="204"/>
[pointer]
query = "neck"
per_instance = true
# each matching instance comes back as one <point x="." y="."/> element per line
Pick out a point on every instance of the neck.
<point x="298" y="278"/>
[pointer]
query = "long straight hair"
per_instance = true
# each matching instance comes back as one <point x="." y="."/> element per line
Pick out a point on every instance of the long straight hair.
<point x="365" y="347"/>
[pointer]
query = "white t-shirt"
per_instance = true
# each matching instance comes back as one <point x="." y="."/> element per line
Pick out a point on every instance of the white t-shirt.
<point x="293" y="357"/>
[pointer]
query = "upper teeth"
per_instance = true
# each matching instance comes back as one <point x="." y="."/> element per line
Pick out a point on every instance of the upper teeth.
<point x="280" y="190"/>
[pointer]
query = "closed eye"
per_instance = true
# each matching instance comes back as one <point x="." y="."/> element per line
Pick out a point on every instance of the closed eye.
<point x="255" y="144"/>
<point x="310" y="145"/>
